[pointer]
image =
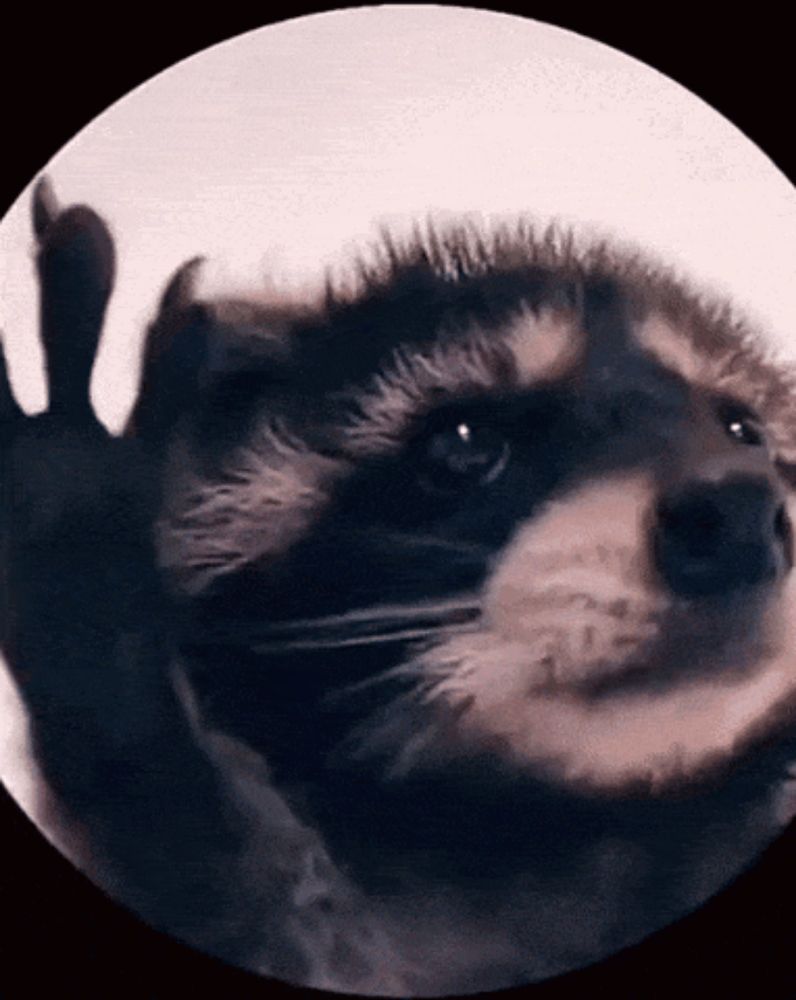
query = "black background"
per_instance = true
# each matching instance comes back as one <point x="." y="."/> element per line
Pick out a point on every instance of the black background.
<point x="60" y="936"/>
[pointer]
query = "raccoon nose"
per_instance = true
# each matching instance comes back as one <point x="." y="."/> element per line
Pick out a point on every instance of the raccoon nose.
<point x="715" y="538"/>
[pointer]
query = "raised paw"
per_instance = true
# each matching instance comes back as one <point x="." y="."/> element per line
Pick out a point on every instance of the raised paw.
<point x="71" y="493"/>
<point x="58" y="459"/>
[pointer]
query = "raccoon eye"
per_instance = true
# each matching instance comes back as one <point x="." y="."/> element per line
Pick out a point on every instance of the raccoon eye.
<point x="463" y="456"/>
<point x="740" y="423"/>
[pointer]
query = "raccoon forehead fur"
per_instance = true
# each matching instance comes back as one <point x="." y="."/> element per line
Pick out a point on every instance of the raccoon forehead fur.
<point x="465" y="278"/>
<point x="444" y="313"/>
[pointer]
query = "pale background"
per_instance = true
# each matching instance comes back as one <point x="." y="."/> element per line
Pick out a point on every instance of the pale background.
<point x="275" y="151"/>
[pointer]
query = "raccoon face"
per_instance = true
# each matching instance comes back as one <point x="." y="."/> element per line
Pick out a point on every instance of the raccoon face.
<point x="509" y="501"/>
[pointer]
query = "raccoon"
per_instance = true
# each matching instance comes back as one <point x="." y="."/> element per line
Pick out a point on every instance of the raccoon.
<point x="430" y="637"/>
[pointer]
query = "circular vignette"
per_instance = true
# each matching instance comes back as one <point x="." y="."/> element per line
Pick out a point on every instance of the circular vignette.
<point x="132" y="324"/>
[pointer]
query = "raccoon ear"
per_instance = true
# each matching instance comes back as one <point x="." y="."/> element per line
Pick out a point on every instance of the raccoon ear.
<point x="176" y="353"/>
<point x="197" y="352"/>
<point x="180" y="292"/>
<point x="76" y="266"/>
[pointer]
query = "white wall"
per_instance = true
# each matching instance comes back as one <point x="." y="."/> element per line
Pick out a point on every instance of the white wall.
<point x="272" y="152"/>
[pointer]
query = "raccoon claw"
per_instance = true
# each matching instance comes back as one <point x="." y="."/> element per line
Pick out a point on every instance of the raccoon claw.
<point x="45" y="207"/>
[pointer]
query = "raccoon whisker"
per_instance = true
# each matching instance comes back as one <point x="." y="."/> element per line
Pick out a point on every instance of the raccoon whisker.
<point x="378" y="615"/>
<point x="412" y="670"/>
<point x="417" y="540"/>
<point x="341" y="642"/>
<point x="397" y="726"/>
<point x="325" y="630"/>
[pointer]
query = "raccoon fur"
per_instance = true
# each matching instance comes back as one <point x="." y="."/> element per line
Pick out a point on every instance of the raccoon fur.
<point x="431" y="637"/>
